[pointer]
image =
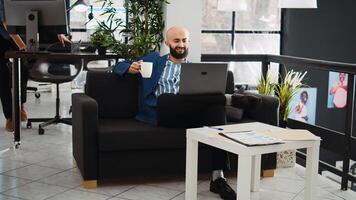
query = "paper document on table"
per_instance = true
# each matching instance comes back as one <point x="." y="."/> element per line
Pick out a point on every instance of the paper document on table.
<point x="251" y="138"/>
<point x="290" y="134"/>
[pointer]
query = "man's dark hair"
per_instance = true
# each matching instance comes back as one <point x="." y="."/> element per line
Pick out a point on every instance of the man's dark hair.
<point x="302" y="94"/>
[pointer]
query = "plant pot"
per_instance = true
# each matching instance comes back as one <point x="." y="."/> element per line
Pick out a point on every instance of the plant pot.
<point x="285" y="158"/>
<point x="102" y="50"/>
<point x="283" y="124"/>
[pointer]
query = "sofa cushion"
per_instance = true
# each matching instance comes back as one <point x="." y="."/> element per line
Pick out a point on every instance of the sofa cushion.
<point x="117" y="96"/>
<point x="233" y="114"/>
<point x="129" y="134"/>
<point x="244" y="120"/>
<point x="247" y="101"/>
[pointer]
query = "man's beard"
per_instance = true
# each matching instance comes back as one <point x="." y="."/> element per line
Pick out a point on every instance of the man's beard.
<point x="178" y="55"/>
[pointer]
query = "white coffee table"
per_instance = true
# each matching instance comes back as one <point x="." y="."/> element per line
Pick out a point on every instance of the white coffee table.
<point x="249" y="163"/>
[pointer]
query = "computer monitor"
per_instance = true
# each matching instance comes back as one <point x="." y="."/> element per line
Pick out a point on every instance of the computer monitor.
<point x="35" y="16"/>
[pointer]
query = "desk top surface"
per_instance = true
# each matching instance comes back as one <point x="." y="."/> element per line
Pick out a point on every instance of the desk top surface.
<point x="41" y="54"/>
<point x="210" y="136"/>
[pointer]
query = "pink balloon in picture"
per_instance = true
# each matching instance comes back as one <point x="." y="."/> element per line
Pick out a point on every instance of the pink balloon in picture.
<point x="340" y="97"/>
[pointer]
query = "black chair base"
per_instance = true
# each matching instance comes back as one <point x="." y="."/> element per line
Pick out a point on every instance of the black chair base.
<point x="37" y="94"/>
<point x="48" y="121"/>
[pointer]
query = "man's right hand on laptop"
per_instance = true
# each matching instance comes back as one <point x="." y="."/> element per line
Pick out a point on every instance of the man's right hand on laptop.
<point x="135" y="67"/>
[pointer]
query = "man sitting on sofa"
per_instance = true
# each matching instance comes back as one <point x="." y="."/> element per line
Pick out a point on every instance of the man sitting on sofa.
<point x="165" y="81"/>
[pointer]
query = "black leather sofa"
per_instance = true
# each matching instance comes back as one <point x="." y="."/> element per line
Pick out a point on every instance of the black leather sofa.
<point x="109" y="143"/>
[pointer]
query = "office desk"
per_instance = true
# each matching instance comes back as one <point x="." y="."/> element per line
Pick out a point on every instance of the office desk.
<point x="16" y="77"/>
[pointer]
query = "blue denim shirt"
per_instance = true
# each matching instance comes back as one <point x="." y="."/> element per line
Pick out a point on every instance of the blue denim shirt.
<point x="2" y="11"/>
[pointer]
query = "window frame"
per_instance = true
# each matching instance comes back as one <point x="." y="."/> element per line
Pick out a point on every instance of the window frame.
<point x="233" y="31"/>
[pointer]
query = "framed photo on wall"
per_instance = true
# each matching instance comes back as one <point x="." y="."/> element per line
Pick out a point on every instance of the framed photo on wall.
<point x="303" y="105"/>
<point x="337" y="90"/>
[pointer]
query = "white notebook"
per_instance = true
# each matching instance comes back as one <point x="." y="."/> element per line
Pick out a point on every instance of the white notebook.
<point x="251" y="138"/>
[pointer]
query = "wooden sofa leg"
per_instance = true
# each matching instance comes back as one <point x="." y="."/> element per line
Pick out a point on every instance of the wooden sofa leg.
<point x="74" y="162"/>
<point x="268" y="173"/>
<point x="90" y="184"/>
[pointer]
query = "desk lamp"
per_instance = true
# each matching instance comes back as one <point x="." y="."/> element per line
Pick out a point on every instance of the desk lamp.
<point x="79" y="6"/>
<point x="298" y="4"/>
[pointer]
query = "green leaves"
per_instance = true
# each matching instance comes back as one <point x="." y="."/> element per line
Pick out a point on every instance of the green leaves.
<point x="144" y="28"/>
<point x="104" y="34"/>
<point x="285" y="90"/>
<point x="265" y="85"/>
<point x="102" y="38"/>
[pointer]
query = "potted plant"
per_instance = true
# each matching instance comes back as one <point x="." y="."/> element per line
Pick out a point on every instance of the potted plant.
<point x="266" y="85"/>
<point x="103" y="37"/>
<point x="101" y="40"/>
<point x="143" y="29"/>
<point x="285" y="91"/>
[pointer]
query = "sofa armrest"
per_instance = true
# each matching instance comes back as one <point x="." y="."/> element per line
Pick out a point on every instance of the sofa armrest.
<point x="267" y="112"/>
<point x="84" y="134"/>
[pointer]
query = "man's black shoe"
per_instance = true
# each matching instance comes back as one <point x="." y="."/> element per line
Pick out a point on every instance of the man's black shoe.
<point x="221" y="187"/>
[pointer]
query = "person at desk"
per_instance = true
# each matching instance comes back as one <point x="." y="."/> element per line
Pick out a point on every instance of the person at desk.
<point x="165" y="80"/>
<point x="15" y="42"/>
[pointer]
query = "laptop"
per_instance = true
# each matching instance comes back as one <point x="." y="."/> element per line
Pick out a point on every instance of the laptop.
<point x="76" y="46"/>
<point x="203" y="78"/>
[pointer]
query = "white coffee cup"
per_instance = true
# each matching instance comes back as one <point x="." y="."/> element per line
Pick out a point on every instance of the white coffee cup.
<point x="146" y="69"/>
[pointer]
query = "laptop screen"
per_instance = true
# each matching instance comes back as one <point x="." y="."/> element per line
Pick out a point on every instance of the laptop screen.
<point x="203" y="78"/>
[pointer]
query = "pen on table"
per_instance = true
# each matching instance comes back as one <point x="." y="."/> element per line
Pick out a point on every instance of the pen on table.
<point x="215" y="128"/>
<point x="221" y="129"/>
<point x="238" y="131"/>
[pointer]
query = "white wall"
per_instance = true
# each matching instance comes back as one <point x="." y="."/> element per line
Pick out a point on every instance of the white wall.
<point x="187" y="13"/>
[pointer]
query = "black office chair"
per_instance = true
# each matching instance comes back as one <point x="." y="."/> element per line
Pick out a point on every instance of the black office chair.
<point x="54" y="70"/>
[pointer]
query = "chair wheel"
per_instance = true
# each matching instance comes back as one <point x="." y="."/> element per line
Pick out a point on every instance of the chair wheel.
<point x="40" y="131"/>
<point x="29" y="125"/>
<point x="37" y="95"/>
